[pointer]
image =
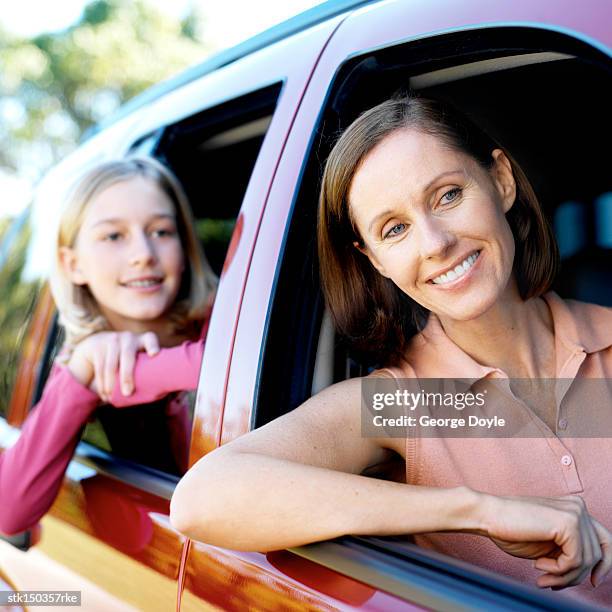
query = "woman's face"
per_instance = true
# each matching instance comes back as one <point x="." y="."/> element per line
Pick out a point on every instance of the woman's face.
<point x="433" y="221"/>
<point x="129" y="254"/>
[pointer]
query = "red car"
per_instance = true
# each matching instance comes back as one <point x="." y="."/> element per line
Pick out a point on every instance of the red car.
<point x="247" y="132"/>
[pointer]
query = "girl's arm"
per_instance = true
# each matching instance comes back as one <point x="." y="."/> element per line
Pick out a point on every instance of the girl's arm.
<point x="172" y="369"/>
<point x="297" y="480"/>
<point x="31" y="471"/>
<point x="113" y="364"/>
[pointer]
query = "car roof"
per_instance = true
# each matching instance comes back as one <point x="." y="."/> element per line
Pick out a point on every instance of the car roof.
<point x="303" y="21"/>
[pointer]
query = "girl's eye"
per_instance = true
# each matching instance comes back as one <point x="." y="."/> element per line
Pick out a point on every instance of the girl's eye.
<point x="451" y="196"/>
<point x="163" y="232"/>
<point x="112" y="237"/>
<point x="396" y="230"/>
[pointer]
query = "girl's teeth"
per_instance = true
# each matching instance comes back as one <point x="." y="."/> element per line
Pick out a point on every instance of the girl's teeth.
<point x="459" y="270"/>
<point x="145" y="283"/>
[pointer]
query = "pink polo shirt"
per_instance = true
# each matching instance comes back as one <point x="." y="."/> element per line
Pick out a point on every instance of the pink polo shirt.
<point x="548" y="466"/>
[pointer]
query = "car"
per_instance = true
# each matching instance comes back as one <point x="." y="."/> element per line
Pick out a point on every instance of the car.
<point x="247" y="132"/>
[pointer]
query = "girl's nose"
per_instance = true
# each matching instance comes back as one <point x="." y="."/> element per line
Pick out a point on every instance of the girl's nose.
<point x="143" y="251"/>
<point x="435" y="238"/>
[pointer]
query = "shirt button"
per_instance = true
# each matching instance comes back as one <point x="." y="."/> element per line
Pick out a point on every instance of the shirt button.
<point x="562" y="423"/>
<point x="566" y="460"/>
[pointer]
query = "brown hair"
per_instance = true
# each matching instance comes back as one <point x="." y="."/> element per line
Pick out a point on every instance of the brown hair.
<point x="375" y="317"/>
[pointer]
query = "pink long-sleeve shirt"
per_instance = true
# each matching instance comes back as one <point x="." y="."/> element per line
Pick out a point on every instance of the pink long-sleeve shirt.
<point x="31" y="471"/>
<point x="553" y="464"/>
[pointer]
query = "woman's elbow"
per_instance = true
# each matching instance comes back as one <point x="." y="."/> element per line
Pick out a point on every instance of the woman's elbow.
<point x="194" y="505"/>
<point x="182" y="512"/>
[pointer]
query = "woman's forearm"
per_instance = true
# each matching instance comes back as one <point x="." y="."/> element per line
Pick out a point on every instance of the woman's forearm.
<point x="249" y="501"/>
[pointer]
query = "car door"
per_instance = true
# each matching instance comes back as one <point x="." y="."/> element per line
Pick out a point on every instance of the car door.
<point x="284" y="347"/>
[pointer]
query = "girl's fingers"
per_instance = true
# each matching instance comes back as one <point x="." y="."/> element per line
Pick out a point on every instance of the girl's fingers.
<point x="129" y="348"/>
<point x="150" y="343"/>
<point x="98" y="376"/>
<point x="111" y="365"/>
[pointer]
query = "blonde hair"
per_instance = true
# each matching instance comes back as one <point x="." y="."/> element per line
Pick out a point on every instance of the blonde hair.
<point x="78" y="310"/>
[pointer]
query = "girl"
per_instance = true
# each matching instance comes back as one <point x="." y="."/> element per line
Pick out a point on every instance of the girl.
<point x="129" y="275"/>
<point x="436" y="261"/>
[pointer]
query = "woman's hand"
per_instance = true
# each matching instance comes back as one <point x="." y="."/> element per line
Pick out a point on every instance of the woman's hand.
<point x="566" y="542"/>
<point x="96" y="360"/>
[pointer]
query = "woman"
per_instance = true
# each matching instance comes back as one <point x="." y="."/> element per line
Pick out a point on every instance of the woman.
<point x="426" y="223"/>
<point x="129" y="275"/>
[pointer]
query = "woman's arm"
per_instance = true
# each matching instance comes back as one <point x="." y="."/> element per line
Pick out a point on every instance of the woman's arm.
<point x="31" y="471"/>
<point x="297" y="480"/>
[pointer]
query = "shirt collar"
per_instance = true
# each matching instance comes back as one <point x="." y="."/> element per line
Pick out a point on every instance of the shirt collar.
<point x="579" y="327"/>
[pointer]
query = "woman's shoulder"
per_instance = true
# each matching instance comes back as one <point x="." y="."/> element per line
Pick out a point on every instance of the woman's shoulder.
<point x="595" y="313"/>
<point x="590" y="323"/>
<point x="404" y="366"/>
<point x="400" y="369"/>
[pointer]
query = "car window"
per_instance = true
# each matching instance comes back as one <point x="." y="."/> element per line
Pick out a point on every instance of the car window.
<point x="199" y="149"/>
<point x="550" y="138"/>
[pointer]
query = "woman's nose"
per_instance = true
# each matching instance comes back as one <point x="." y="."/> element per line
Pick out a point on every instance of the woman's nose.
<point x="435" y="238"/>
<point x="143" y="251"/>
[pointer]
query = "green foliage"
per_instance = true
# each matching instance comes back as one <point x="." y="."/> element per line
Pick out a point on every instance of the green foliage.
<point x="215" y="230"/>
<point x="55" y="86"/>
<point x="17" y="299"/>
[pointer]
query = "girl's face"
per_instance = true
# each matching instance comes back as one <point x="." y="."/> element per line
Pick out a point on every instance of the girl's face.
<point x="433" y="221"/>
<point x="129" y="254"/>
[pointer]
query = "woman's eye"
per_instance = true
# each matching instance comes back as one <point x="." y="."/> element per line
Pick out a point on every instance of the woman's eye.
<point x="451" y="196"/>
<point x="112" y="237"/>
<point x="396" y="230"/>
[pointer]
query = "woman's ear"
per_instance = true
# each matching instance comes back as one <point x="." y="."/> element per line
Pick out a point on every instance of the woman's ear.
<point x="503" y="177"/>
<point x="70" y="264"/>
<point x="363" y="249"/>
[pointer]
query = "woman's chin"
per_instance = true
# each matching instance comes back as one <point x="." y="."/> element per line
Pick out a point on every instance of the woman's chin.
<point x="466" y="308"/>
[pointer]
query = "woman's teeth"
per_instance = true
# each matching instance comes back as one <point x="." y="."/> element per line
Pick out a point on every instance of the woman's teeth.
<point x="458" y="271"/>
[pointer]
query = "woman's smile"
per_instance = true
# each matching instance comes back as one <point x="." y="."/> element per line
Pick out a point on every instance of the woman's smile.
<point x="456" y="275"/>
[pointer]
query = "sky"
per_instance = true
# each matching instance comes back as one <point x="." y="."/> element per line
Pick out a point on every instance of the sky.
<point x="228" y="22"/>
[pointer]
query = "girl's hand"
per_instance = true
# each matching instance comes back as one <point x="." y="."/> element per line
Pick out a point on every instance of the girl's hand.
<point x="96" y="360"/>
<point x="566" y="542"/>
